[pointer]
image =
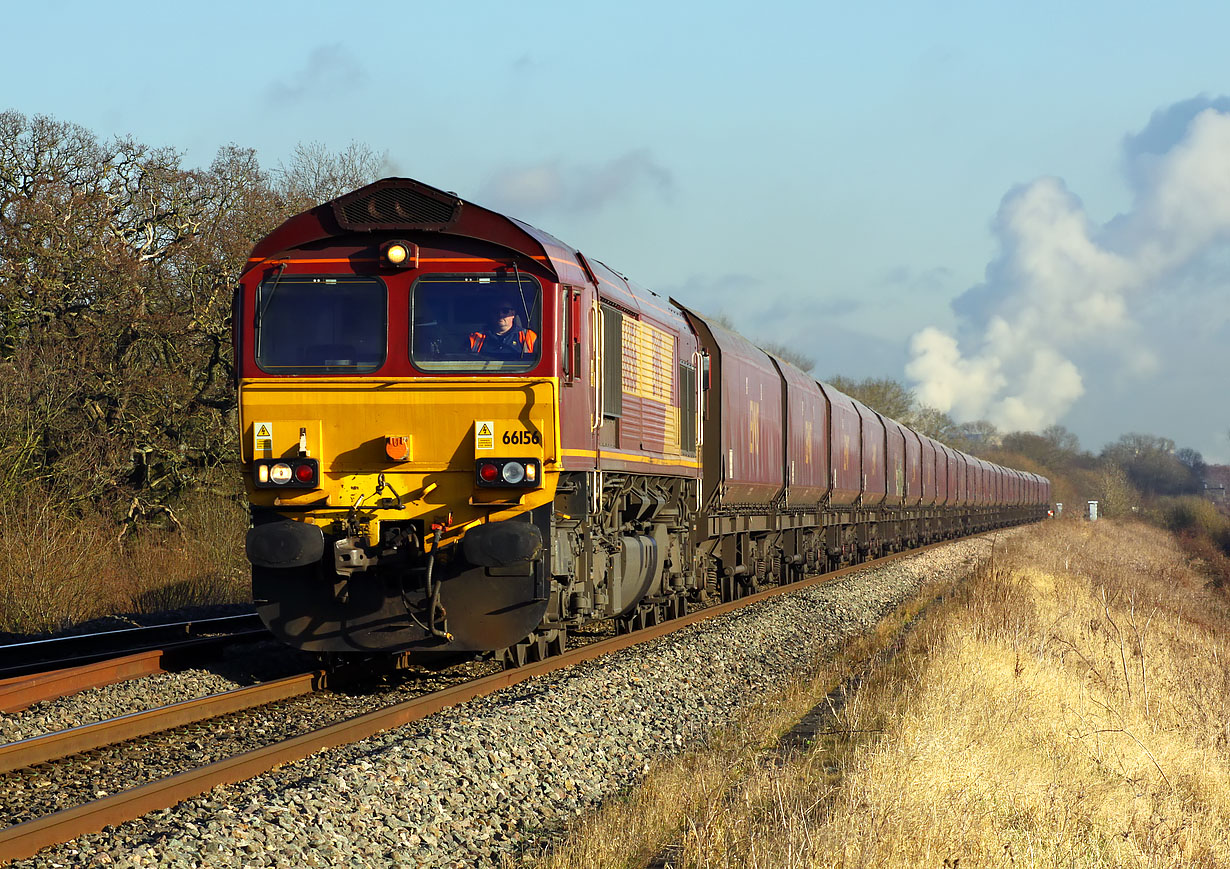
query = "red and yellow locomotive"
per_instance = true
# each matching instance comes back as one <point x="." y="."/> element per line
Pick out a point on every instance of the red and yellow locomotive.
<point x="461" y="435"/>
<point x="421" y="480"/>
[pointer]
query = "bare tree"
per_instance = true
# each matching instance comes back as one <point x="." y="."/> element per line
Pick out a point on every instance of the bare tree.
<point x="315" y="174"/>
<point x="884" y="395"/>
<point x="116" y="271"/>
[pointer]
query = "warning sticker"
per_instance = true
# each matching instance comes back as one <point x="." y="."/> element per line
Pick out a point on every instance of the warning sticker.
<point x="484" y="435"/>
<point x="264" y="437"/>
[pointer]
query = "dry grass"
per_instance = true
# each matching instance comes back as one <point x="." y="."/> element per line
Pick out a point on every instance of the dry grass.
<point x="1071" y="710"/>
<point x="688" y="789"/>
<point x="1068" y="707"/>
<point x="691" y="799"/>
<point x="58" y="571"/>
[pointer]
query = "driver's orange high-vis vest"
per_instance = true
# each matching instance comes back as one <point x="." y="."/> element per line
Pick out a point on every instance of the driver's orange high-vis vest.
<point x="526" y="338"/>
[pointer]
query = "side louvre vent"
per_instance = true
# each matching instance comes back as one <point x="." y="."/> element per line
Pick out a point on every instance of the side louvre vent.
<point x="396" y="204"/>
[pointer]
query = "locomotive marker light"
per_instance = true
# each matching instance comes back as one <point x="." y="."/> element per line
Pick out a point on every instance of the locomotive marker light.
<point x="507" y="473"/>
<point x="297" y="473"/>
<point x="513" y="473"/>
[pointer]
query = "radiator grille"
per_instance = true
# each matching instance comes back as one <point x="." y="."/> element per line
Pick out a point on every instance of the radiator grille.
<point x="394" y="207"/>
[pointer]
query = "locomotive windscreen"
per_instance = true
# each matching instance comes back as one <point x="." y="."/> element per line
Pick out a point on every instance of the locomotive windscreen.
<point x="316" y="324"/>
<point x="476" y="323"/>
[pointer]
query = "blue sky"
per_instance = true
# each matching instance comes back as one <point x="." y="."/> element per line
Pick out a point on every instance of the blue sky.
<point x="832" y="176"/>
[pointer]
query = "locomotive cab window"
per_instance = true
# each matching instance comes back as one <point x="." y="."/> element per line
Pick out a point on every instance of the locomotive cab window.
<point x="316" y="324"/>
<point x="476" y="323"/>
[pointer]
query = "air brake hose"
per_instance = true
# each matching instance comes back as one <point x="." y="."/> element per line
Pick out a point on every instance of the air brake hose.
<point x="433" y="591"/>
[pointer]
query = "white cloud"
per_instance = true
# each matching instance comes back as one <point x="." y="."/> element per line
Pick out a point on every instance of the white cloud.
<point x="1063" y="288"/>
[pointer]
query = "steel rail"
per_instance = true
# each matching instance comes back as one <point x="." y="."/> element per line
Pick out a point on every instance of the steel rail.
<point x="29" y="837"/>
<point x="64" y="743"/>
<point x="19" y="659"/>
<point x="30" y="684"/>
<point x="19" y="692"/>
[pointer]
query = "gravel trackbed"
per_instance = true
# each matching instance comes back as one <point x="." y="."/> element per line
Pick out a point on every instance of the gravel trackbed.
<point x="479" y="783"/>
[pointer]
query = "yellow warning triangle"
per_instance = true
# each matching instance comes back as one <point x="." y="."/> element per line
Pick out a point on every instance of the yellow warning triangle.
<point x="485" y="430"/>
<point x="263" y="432"/>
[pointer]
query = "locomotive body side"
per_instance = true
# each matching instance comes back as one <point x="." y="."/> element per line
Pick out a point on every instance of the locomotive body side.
<point x="625" y="527"/>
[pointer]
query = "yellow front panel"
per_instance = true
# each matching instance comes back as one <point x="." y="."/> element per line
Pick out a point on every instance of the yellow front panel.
<point x="352" y="418"/>
<point x="347" y="422"/>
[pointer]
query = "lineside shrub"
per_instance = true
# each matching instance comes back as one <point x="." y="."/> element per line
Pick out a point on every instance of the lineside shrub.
<point x="60" y="570"/>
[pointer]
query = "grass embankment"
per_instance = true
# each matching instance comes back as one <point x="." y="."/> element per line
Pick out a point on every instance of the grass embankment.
<point x="58" y="571"/>
<point x="1070" y="705"/>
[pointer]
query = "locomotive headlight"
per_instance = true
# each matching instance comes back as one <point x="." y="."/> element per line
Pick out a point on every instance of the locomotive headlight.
<point x="280" y="473"/>
<point x="399" y="255"/>
<point x="513" y="473"/>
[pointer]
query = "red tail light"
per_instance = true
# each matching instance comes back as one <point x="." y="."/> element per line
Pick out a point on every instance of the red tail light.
<point x="295" y="473"/>
<point x="508" y="473"/>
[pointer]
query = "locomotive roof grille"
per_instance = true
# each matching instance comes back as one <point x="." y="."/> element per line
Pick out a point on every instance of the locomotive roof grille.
<point x="396" y="206"/>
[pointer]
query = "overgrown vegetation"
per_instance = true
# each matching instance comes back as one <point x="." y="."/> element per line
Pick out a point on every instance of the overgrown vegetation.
<point x="1068" y="706"/>
<point x="117" y="265"/>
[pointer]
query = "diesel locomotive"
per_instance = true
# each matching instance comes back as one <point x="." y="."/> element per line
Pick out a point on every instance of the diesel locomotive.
<point x="461" y="435"/>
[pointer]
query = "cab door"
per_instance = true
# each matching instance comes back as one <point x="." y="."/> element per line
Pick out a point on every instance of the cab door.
<point x="579" y="371"/>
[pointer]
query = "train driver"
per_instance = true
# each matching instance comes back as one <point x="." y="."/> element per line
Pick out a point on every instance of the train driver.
<point x="506" y="336"/>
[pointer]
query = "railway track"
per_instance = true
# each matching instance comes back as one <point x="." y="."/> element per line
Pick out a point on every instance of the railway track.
<point x="46" y="669"/>
<point x="23" y="659"/>
<point x="30" y="836"/>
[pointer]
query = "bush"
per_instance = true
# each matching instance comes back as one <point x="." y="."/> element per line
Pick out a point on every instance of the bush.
<point x="61" y="568"/>
<point x="1195" y="516"/>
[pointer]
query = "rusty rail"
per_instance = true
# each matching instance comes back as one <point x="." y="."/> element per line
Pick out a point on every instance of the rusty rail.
<point x="19" y="692"/>
<point x="64" y="743"/>
<point x="26" y="839"/>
